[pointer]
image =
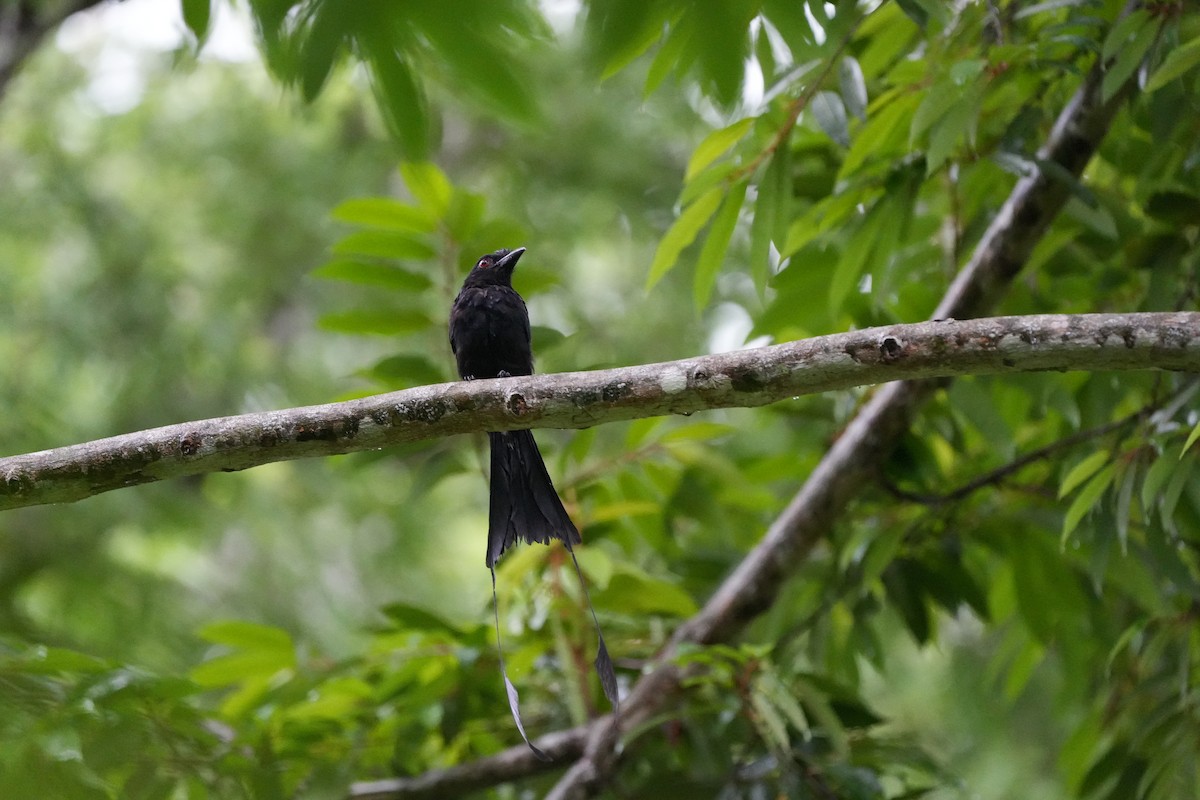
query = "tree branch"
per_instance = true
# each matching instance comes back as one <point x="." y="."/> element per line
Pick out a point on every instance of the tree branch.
<point x="23" y="25"/>
<point x="582" y="399"/>
<point x="999" y="474"/>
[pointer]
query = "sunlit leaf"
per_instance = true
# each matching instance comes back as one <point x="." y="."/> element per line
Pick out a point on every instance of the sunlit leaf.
<point x="374" y="322"/>
<point x="1048" y="5"/>
<point x="403" y="371"/>
<point x="373" y="274"/>
<point x="623" y="510"/>
<point x="1082" y="471"/>
<point x="429" y="185"/>
<point x="246" y="635"/>
<point x="712" y="254"/>
<point x="1191" y="439"/>
<point x="385" y="244"/>
<point x="715" y="144"/>
<point x="882" y="134"/>
<point x="385" y="212"/>
<point x="1177" y="62"/>
<point x="955" y="126"/>
<point x="1129" y="54"/>
<point x="1087" y="499"/>
<point x="682" y="233"/>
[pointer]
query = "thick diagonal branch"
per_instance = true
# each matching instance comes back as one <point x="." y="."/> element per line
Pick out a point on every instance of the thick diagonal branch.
<point x="583" y="399"/>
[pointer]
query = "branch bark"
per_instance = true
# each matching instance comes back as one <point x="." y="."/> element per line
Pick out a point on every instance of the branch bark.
<point x="581" y="399"/>
<point x="24" y="24"/>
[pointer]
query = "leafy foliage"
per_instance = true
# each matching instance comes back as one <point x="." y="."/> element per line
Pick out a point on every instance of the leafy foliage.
<point x="1020" y="586"/>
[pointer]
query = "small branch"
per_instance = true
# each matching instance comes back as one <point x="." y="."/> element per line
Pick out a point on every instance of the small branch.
<point x="23" y="25"/>
<point x="582" y="399"/>
<point x="1016" y="465"/>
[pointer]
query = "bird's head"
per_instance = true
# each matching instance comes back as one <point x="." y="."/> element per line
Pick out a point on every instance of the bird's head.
<point x="495" y="268"/>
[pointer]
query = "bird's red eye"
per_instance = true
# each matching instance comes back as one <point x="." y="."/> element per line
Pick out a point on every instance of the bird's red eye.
<point x="484" y="263"/>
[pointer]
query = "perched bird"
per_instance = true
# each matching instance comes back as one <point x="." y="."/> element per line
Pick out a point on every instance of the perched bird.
<point x="490" y="337"/>
<point x="489" y="333"/>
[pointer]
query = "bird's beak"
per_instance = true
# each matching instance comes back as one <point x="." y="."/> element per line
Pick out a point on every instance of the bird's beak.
<point x="509" y="262"/>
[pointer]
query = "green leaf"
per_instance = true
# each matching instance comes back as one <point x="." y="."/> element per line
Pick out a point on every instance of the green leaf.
<point x="464" y="215"/>
<point x="915" y="11"/>
<point x="385" y="212"/>
<point x="623" y="510"/>
<point x="817" y="702"/>
<point x="41" y="660"/>
<point x="1086" y="500"/>
<point x="373" y="274"/>
<point x="957" y="125"/>
<point x="415" y="618"/>
<point x="596" y="565"/>
<point x="1191" y="440"/>
<point x="1170" y="497"/>
<point x="621" y="30"/>
<point x="715" y="144"/>
<point x="401" y="98"/>
<point x="716" y="244"/>
<point x="1122" y="31"/>
<point x="385" y="244"/>
<point x="247" y="635"/>
<point x="545" y="337"/>
<point x="784" y="699"/>
<point x="853" y="87"/>
<point x="429" y="185"/>
<point x="966" y="71"/>
<point x="934" y="105"/>
<point x="1177" y="62"/>
<point x="771" y="215"/>
<point x="830" y="114"/>
<point x="197" y="14"/>
<point x="698" y="431"/>
<point x="403" y="371"/>
<point x="771" y="727"/>
<point x="1156" y="478"/>
<point x="716" y="175"/>
<point x="1049" y="5"/>
<point x="1124" y="502"/>
<point x="1082" y="471"/>
<point x="855" y="256"/>
<point x="319" y="50"/>
<point x="241" y="667"/>
<point x="1129" y="56"/>
<point x="378" y="323"/>
<point x="666" y="60"/>
<point x="635" y="591"/>
<point x="881" y="135"/>
<point x="681" y="234"/>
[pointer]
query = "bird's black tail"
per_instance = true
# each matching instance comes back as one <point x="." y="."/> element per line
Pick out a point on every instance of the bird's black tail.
<point x="524" y="504"/>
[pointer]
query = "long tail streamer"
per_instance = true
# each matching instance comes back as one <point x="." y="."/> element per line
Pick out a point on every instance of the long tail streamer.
<point x="603" y="662"/>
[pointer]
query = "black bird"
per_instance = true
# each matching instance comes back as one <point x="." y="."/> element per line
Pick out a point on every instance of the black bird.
<point x="490" y="337"/>
<point x="489" y="334"/>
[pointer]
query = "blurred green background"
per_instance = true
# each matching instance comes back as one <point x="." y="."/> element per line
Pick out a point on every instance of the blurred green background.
<point x="183" y="236"/>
